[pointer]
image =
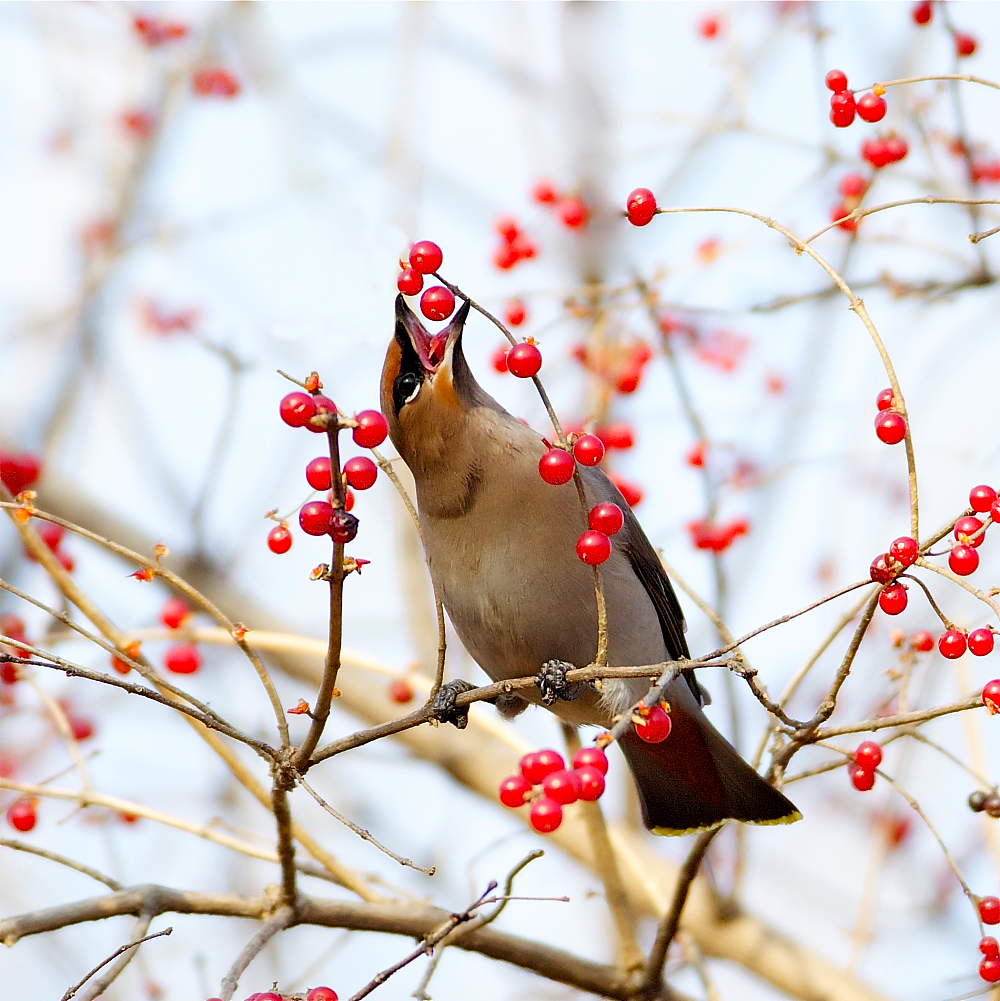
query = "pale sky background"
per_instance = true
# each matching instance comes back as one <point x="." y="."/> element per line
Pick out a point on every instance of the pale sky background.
<point x="279" y="216"/>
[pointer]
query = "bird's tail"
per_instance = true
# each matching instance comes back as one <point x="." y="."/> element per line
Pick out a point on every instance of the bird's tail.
<point x="695" y="779"/>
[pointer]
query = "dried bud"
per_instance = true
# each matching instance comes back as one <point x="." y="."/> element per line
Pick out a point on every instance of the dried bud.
<point x="161" y="551"/>
<point x="343" y="526"/>
<point x="302" y="709"/>
<point x="313" y="383"/>
<point x="143" y="573"/>
<point x="239" y="631"/>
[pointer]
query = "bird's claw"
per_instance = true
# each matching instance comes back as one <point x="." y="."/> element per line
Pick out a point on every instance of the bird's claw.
<point x="552" y="683"/>
<point x="444" y="706"/>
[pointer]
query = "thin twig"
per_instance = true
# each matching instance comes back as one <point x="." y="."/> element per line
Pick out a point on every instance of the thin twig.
<point x="278" y="921"/>
<point x="104" y="962"/>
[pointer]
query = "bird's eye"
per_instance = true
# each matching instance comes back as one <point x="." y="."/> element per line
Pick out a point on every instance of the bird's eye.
<point x="406" y="389"/>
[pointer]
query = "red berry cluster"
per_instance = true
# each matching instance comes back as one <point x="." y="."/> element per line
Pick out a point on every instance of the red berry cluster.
<point x="890" y="424"/>
<point x="315" y="994"/>
<point x="216" y="82"/>
<point x="989" y="914"/>
<point x="865" y="760"/>
<point x="714" y="536"/>
<point x="881" y="151"/>
<point x="572" y="210"/>
<point x="560" y="786"/>
<point x="155" y="32"/>
<point x="605" y="520"/>
<point x="884" y="569"/>
<point x="870" y="107"/>
<point x="19" y="471"/>
<point x="640" y="207"/>
<point x="620" y="365"/>
<point x="426" y="257"/>
<point x="515" y="245"/>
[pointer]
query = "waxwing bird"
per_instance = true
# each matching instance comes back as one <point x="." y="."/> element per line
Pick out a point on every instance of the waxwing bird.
<point x="501" y="544"/>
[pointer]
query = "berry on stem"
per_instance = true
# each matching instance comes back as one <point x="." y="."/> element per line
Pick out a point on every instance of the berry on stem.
<point x="655" y="727"/>
<point x="437" y="303"/>
<point x="556" y="466"/>
<point x="953" y="644"/>
<point x="22" y="814"/>
<point x="410" y="282"/>
<point x="315" y="517"/>
<point x="360" y="472"/>
<point x="842" y="109"/>
<point x="592" y="783"/>
<point x="545" y="192"/>
<point x="591" y="757"/>
<point x="279" y="540"/>
<point x="536" y="765"/>
<point x="546" y="815"/>
<point x="174" y="613"/>
<point x="981" y="642"/>
<point x="991" y="696"/>
<point x="989" y="910"/>
<point x="425" y="258"/>
<point x="963" y="560"/>
<point x="593" y="547"/>
<point x="904" y="550"/>
<point x="588" y="450"/>
<point x="885" y="399"/>
<point x="499" y="359"/>
<point x="836" y="80"/>
<point x="922" y="641"/>
<point x="981" y="498"/>
<point x="319" y="474"/>
<point x="967" y="527"/>
<point x="322" y="994"/>
<point x="640" y="207"/>
<point x="372" y="429"/>
<point x="514" y="791"/>
<point x="524" y="360"/>
<point x="862" y="778"/>
<point x="183" y="659"/>
<point x="324" y="405"/>
<point x="989" y="969"/>
<point x="965" y="44"/>
<point x="516" y="313"/>
<point x="892" y="599"/>
<point x="343" y="526"/>
<point x="989" y="946"/>
<point x="890" y="427"/>
<point x="297" y="409"/>
<point x="881" y="570"/>
<point x="922" y="12"/>
<point x="563" y="786"/>
<point x="607" y="518"/>
<point x="871" y="107"/>
<point x="868" y="755"/>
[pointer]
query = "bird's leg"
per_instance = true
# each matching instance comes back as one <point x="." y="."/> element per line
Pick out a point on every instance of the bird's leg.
<point x="553" y="685"/>
<point x="444" y="706"/>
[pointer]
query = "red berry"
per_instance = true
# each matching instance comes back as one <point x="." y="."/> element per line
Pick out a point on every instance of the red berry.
<point x="563" y="786"/>
<point x="862" y="778"/>
<point x="628" y="381"/>
<point x="892" y="599"/>
<point x="516" y="313"/>
<point x="22" y="814"/>
<point x="573" y="212"/>
<point x="607" y="518"/>
<point x="508" y="228"/>
<point x="620" y="435"/>
<point x="81" y="727"/>
<point x="896" y="148"/>
<point x="372" y="429"/>
<point x="989" y="946"/>
<point x="426" y="258"/>
<point x="588" y="450"/>
<point x="838" y="215"/>
<point x="991" y="696"/>
<point x="279" y="540"/>
<point x="18" y="472"/>
<point x="885" y="399"/>
<point x="640" y="206"/>
<point x="981" y="642"/>
<point x="881" y="570"/>
<point x="499" y="359"/>
<point x="514" y="791"/>
<point x="524" y="360"/>
<point x="836" y="80"/>
<point x="968" y="527"/>
<point x="868" y="755"/>
<point x="506" y="257"/>
<point x="989" y="910"/>
<point x="546" y="815"/>
<point x="324" y="405"/>
<point x="183" y="659"/>
<point x="953" y="644"/>
<point x="556" y="466"/>
<point x="655" y="727"/>
<point x="315" y="517"/>
<point x="922" y="12"/>
<point x="904" y="550"/>
<point x="709" y="27"/>
<point x="437" y="303"/>
<point x="922" y="641"/>
<point x="319" y="474"/>
<point x="989" y="969"/>
<point x="965" y="44"/>
<point x="631" y="492"/>
<point x="322" y="994"/>
<point x="871" y="107"/>
<point x="963" y="560"/>
<point x="343" y="526"/>
<point x="544" y="192"/>
<point x="215" y="82"/>
<point x="592" y="783"/>
<point x="410" y="282"/>
<point x="981" y="498"/>
<point x="890" y="427"/>
<point x="360" y="472"/>
<point x="593" y="547"/>
<point x="297" y="409"/>
<point x="842" y="109"/>
<point x="853" y="186"/>
<point x="538" y="764"/>
<point x="174" y="613"/>
<point x="401" y="691"/>
<point x="591" y="757"/>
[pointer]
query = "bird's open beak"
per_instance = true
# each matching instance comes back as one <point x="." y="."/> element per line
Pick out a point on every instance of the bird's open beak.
<point x="433" y="352"/>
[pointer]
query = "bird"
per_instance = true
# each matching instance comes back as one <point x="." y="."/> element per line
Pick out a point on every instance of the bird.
<point x="500" y="544"/>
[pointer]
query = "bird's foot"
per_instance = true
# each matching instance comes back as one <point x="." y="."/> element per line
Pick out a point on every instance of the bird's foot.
<point x="552" y="683"/>
<point x="445" y="709"/>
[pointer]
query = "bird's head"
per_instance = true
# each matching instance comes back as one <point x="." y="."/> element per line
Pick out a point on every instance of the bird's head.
<point x="428" y="391"/>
